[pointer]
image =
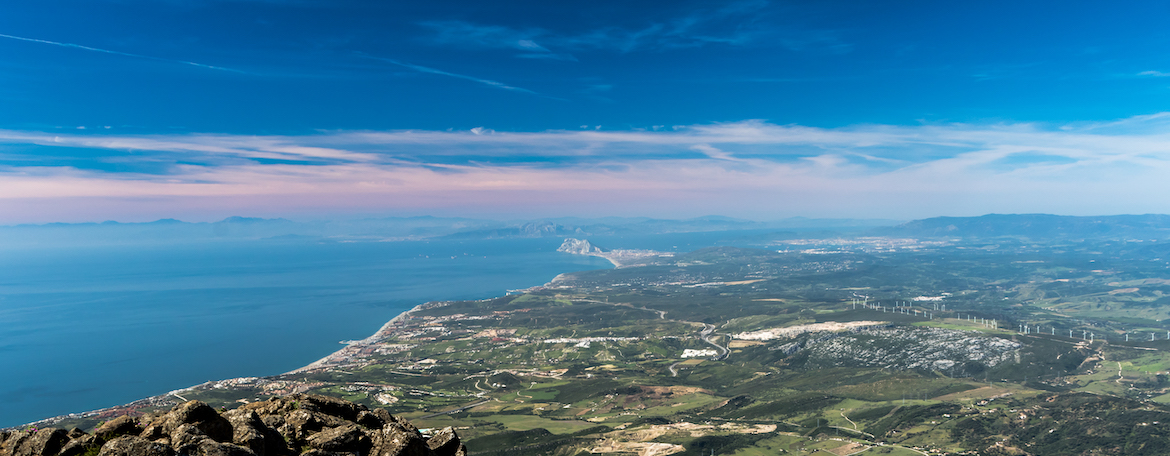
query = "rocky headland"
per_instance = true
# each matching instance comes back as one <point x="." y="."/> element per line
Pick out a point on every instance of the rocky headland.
<point x="299" y="424"/>
<point x="619" y="257"/>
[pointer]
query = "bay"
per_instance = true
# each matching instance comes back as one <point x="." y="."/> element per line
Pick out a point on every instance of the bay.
<point x="83" y="328"/>
<point x="88" y="327"/>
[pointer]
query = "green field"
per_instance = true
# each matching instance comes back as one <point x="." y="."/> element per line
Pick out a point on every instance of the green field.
<point x="592" y="361"/>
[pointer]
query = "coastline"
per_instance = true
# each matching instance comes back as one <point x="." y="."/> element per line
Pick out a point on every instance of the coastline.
<point x="159" y="400"/>
<point x="608" y="256"/>
<point x="333" y="359"/>
<point x="373" y="338"/>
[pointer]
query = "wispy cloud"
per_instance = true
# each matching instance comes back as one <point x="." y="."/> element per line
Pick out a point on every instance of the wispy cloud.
<point x="1156" y="74"/>
<point x="735" y="24"/>
<point x="126" y="54"/>
<point x="423" y="69"/>
<point x="465" y="34"/>
<point x="748" y="168"/>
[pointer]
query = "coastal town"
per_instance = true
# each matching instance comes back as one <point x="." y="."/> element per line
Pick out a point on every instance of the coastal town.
<point x="660" y="357"/>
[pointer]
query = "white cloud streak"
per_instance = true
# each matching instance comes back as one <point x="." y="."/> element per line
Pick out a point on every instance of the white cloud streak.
<point x="423" y="69"/>
<point x="126" y="54"/>
<point x="749" y="168"/>
<point x="734" y="24"/>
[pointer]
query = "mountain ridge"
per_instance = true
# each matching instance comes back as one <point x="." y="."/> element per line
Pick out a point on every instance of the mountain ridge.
<point x="1046" y="226"/>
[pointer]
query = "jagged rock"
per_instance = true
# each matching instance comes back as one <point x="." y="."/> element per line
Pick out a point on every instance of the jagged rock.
<point x="400" y="423"/>
<point x="122" y="425"/>
<point x="81" y="444"/>
<point x="273" y="421"/>
<point x="385" y="416"/>
<point x="319" y="425"/>
<point x="445" y="442"/>
<point x="130" y="445"/>
<point x="251" y="432"/>
<point x="330" y="406"/>
<point x="347" y="438"/>
<point x="153" y="432"/>
<point x="395" y="440"/>
<point x="370" y="420"/>
<point x="44" y="442"/>
<point x="200" y="415"/>
<point x="273" y="407"/>
<point x="186" y="438"/>
<point x="300" y="424"/>
<point x="4" y="436"/>
<point x="210" y="447"/>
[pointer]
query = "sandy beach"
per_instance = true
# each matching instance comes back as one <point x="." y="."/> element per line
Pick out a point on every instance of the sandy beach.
<point x="373" y="338"/>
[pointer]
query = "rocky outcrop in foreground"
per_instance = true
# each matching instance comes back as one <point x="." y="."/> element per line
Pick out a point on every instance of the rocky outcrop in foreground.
<point x="300" y="424"/>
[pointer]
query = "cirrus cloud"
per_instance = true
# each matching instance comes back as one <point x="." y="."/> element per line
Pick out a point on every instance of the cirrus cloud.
<point x="751" y="168"/>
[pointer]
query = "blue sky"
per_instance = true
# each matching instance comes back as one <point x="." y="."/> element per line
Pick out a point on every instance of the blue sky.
<point x="201" y="109"/>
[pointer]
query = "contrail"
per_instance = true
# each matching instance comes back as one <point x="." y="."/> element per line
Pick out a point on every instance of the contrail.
<point x="127" y="54"/>
<point x="423" y="69"/>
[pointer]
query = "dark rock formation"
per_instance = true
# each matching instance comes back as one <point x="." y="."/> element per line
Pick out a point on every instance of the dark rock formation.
<point x="300" y="424"/>
<point x="132" y="445"/>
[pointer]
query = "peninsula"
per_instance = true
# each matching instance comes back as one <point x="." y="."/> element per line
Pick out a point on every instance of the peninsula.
<point x="620" y="258"/>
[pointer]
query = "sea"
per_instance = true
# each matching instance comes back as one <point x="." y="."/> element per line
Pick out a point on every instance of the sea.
<point x="83" y="328"/>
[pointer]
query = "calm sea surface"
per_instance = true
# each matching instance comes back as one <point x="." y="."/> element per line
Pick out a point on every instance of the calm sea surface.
<point x="86" y="328"/>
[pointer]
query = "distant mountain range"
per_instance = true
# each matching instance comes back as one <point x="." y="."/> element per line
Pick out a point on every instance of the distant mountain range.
<point x="394" y="228"/>
<point x="1031" y="226"/>
<point x="1036" y="226"/>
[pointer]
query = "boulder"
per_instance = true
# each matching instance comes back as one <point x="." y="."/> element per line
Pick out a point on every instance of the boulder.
<point x="272" y="407"/>
<point x="8" y="440"/>
<point x="117" y="427"/>
<point x="400" y="423"/>
<point x="331" y="406"/>
<point x="130" y="445"/>
<point x="309" y="425"/>
<point x="44" y="442"/>
<point x="371" y="420"/>
<point x="300" y="424"/>
<point x="210" y="447"/>
<point x="186" y="437"/>
<point x="349" y="438"/>
<point x="154" y="432"/>
<point x="445" y="442"/>
<point x="250" y="431"/>
<point x="197" y="414"/>
<point x="81" y="445"/>
<point x="394" y="440"/>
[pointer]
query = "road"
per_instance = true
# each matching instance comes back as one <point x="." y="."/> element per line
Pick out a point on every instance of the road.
<point x="460" y="409"/>
<point x="708" y="330"/>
